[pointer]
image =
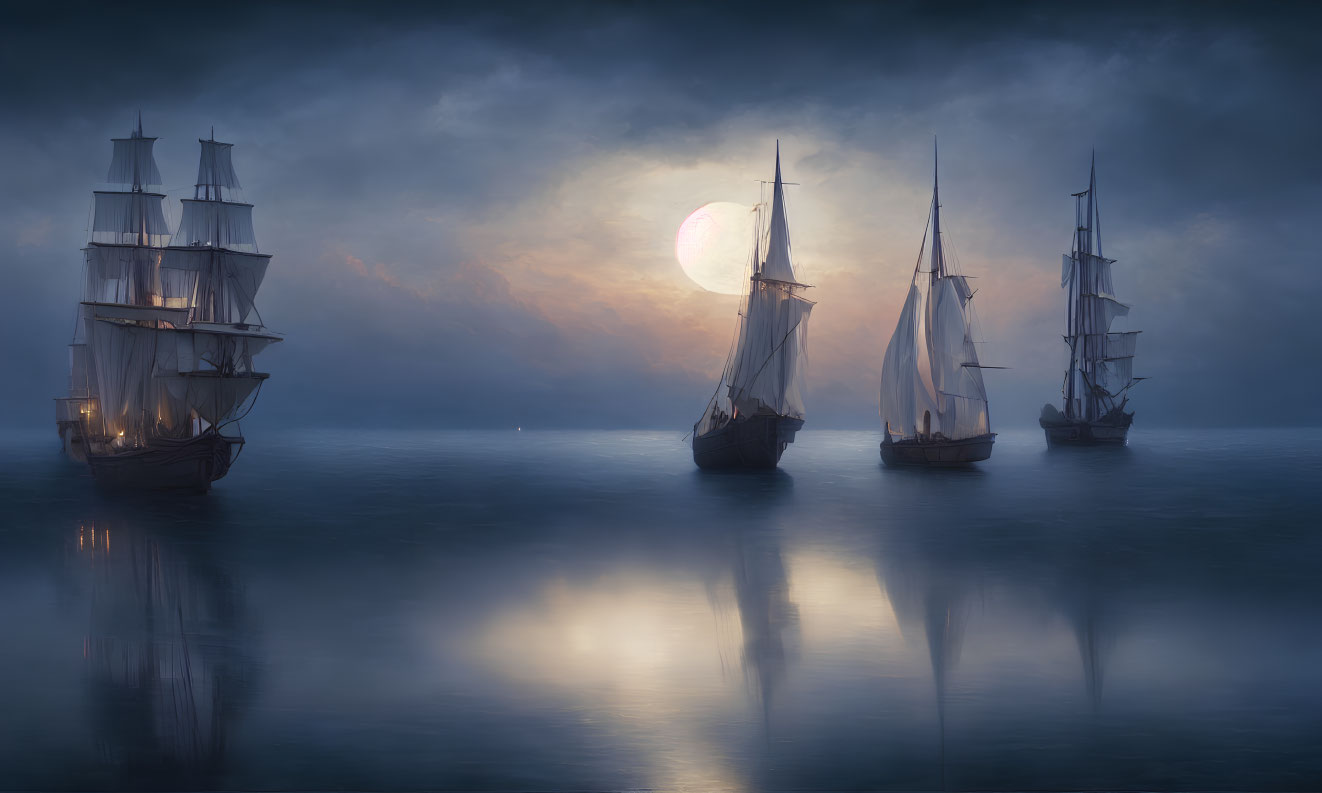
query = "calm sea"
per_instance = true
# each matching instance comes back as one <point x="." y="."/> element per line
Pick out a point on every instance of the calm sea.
<point x="586" y="611"/>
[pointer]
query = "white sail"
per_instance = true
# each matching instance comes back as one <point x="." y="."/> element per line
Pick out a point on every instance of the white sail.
<point x="132" y="164"/>
<point x="1095" y="274"/>
<point x="121" y="274"/>
<point x="766" y="374"/>
<point x="962" y="399"/>
<point x="222" y="283"/>
<point x="213" y="349"/>
<point x="778" y="265"/>
<point x="129" y="219"/>
<point x="1097" y="312"/>
<point x="125" y="354"/>
<point x="905" y="395"/>
<point x="217" y="399"/>
<point x="217" y="224"/>
<point x="215" y="168"/>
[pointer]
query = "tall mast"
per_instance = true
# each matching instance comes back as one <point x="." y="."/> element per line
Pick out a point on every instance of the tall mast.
<point x="1092" y="186"/>
<point x="938" y="257"/>
<point x="1096" y="205"/>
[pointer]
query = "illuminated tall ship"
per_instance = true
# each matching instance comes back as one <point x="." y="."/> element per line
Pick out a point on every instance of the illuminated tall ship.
<point x="161" y="364"/>
<point x="1101" y="364"/>
<point x="758" y="405"/>
<point x="933" y="402"/>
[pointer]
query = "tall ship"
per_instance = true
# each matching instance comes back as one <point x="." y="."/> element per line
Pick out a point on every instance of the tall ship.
<point x="933" y="402"/>
<point x="758" y="404"/>
<point x="161" y="364"/>
<point x="1101" y="362"/>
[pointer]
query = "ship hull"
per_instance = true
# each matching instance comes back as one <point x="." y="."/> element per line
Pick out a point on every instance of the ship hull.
<point x="938" y="453"/>
<point x="191" y="464"/>
<point x="754" y="442"/>
<point x="1087" y="433"/>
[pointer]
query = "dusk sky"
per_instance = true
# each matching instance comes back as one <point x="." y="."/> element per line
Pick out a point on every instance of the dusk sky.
<point x="473" y="212"/>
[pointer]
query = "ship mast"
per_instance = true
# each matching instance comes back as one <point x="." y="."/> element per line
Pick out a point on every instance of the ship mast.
<point x="938" y="255"/>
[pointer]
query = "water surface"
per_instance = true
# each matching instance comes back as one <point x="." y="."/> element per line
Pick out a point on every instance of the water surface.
<point x="586" y="611"/>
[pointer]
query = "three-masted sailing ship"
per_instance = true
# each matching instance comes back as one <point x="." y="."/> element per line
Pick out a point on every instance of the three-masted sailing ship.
<point x="933" y="402"/>
<point x="1101" y="365"/>
<point x="161" y="365"/>
<point x="758" y="404"/>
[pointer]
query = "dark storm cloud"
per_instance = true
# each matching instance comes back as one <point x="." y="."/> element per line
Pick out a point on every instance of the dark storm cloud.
<point x="385" y="136"/>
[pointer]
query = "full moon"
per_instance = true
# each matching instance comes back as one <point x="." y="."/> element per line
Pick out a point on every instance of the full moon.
<point x="713" y="246"/>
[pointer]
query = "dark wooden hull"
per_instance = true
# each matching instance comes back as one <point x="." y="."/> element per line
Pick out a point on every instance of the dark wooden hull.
<point x="753" y="442"/>
<point x="1085" y="433"/>
<point x="938" y="453"/>
<point x="189" y="464"/>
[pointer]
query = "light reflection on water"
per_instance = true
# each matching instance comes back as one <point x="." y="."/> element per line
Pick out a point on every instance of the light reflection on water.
<point x="583" y="611"/>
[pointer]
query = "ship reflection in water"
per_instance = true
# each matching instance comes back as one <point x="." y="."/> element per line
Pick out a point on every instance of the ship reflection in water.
<point x="587" y="612"/>
<point x="166" y="673"/>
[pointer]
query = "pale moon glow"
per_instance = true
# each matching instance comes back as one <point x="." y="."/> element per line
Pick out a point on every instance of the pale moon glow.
<point x="713" y="246"/>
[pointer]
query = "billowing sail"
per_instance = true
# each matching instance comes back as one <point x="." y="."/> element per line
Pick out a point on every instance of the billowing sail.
<point x="961" y="398"/>
<point x="905" y="393"/>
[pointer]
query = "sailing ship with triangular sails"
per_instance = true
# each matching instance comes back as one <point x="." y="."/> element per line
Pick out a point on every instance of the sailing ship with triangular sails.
<point x="758" y="405"/>
<point x="161" y="365"/>
<point x="933" y="402"/>
<point x="1101" y="364"/>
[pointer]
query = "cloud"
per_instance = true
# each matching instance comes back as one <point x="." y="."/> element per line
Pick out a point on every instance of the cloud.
<point x="472" y="211"/>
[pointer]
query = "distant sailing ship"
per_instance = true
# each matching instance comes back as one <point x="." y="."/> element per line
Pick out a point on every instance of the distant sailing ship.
<point x="161" y="361"/>
<point x="933" y="403"/>
<point x="758" y="405"/>
<point x="1101" y="367"/>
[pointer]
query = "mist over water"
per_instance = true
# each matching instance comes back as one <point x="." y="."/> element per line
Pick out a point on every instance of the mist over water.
<point x="586" y="611"/>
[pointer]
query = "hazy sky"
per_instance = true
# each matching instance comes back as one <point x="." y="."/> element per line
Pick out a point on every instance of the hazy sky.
<point x="473" y="212"/>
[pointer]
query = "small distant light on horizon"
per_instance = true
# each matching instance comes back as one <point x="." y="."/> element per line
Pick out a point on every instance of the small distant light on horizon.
<point x="520" y="429"/>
